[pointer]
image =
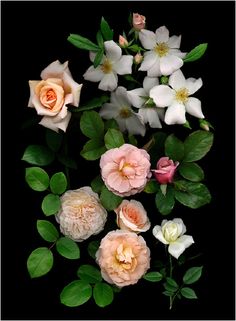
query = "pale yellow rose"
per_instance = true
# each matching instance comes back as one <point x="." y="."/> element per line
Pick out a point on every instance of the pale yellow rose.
<point x="123" y="257"/>
<point x="50" y="95"/>
<point x="81" y="214"/>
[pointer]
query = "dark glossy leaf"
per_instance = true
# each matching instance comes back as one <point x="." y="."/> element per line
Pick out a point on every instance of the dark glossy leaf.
<point x="91" y="125"/>
<point x="165" y="203"/>
<point x="76" y="293"/>
<point x="47" y="230"/>
<point x="38" y="155"/>
<point x="37" y="178"/>
<point x="82" y="42"/>
<point x="51" y="204"/>
<point x="58" y="183"/>
<point x="192" y="275"/>
<point x="109" y="200"/>
<point x="89" y="273"/>
<point x="93" y="149"/>
<point x="106" y="30"/>
<point x="113" y="138"/>
<point x="40" y="262"/>
<point x="174" y="148"/>
<point x="191" y="171"/>
<point x="196" y="53"/>
<point x="103" y="294"/>
<point x="68" y="248"/>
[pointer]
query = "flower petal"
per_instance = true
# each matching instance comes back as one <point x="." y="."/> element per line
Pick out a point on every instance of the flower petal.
<point x="124" y="65"/>
<point x="177" y="53"/>
<point x="177" y="80"/>
<point x="109" y="111"/>
<point x="174" y="42"/>
<point x="193" y="107"/>
<point x="149" y="83"/>
<point x="170" y="63"/>
<point x="135" y="125"/>
<point x="186" y="240"/>
<point x="48" y="122"/>
<point x="150" y="115"/>
<point x="162" y="95"/>
<point x="150" y="59"/>
<point x="134" y="97"/>
<point x="121" y="97"/>
<point x="55" y="70"/>
<point x="155" y="71"/>
<point x="32" y="85"/>
<point x="108" y="82"/>
<point x="162" y="34"/>
<point x="116" y="181"/>
<point x="73" y="87"/>
<point x="176" y="249"/>
<point x="93" y="74"/>
<point x="175" y="114"/>
<point x="193" y="85"/>
<point x="157" y="232"/>
<point x="147" y="38"/>
<point x="113" y="51"/>
<point x="181" y="225"/>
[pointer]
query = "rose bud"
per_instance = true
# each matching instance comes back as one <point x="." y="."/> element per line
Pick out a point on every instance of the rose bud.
<point x="138" y="21"/>
<point x="123" y="42"/>
<point x="165" y="170"/>
<point x="138" y="59"/>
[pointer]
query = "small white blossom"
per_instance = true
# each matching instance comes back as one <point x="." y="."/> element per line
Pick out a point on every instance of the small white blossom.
<point x="177" y="98"/>
<point x="164" y="56"/>
<point x="171" y="232"/>
<point x="112" y="63"/>
<point x="137" y="98"/>
<point x="120" y="109"/>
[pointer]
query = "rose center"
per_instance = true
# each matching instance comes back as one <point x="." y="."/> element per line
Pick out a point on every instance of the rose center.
<point x="125" y="258"/>
<point x="126" y="169"/>
<point x="106" y="67"/>
<point x="182" y="95"/>
<point x="161" y="49"/>
<point x="170" y="232"/>
<point x="49" y="99"/>
<point x="125" y="112"/>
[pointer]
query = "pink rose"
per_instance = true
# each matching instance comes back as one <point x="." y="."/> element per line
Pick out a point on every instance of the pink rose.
<point x="125" y="170"/>
<point x="123" y="42"/>
<point x="123" y="257"/>
<point x="165" y="170"/>
<point x="50" y="95"/>
<point x="138" y="21"/>
<point x="132" y="216"/>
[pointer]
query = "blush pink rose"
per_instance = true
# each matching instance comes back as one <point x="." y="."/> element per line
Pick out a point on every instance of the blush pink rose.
<point x="132" y="216"/>
<point x="165" y="171"/>
<point x="123" y="257"/>
<point x="125" y="170"/>
<point x="50" y="95"/>
<point x="138" y="21"/>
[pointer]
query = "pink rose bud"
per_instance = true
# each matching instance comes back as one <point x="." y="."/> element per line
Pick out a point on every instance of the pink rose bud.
<point x="123" y="42"/>
<point x="138" y="21"/>
<point x="138" y="58"/>
<point x="165" y="170"/>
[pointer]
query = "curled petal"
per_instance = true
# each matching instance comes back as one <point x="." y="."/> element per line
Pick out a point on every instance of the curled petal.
<point x="174" y="42"/>
<point x="147" y="39"/>
<point x="193" y="85"/>
<point x="113" y="51"/>
<point x="93" y="74"/>
<point x="124" y="65"/>
<point x="177" y="248"/>
<point x="108" y="82"/>
<point x="135" y="97"/>
<point x="149" y="83"/>
<point x="157" y="232"/>
<point x="162" y="34"/>
<point x="162" y="95"/>
<point x="169" y="64"/>
<point x="175" y="114"/>
<point x="150" y="59"/>
<point x="193" y="107"/>
<point x="49" y="122"/>
<point x="177" y="80"/>
<point x="55" y="70"/>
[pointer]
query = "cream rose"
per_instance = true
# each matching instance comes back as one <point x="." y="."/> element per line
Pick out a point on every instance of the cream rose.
<point x="50" y="95"/>
<point x="81" y="214"/>
<point x="123" y="257"/>
<point x="132" y="216"/>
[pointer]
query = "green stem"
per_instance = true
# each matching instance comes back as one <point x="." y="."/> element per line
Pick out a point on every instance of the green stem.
<point x="171" y="269"/>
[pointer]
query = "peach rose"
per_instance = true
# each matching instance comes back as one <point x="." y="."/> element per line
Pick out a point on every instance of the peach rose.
<point x="123" y="257"/>
<point x="81" y="214"/>
<point x="125" y="170"/>
<point x="138" y="21"/>
<point x="50" y="95"/>
<point x="132" y="216"/>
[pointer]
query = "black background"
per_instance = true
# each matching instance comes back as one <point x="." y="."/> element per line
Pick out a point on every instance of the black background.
<point x="33" y="35"/>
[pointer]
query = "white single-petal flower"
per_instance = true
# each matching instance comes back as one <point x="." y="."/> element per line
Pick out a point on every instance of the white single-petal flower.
<point x="164" y="56"/>
<point x="112" y="63"/>
<point x="120" y="109"/>
<point x="177" y="98"/>
<point x="138" y="98"/>
<point x="172" y="233"/>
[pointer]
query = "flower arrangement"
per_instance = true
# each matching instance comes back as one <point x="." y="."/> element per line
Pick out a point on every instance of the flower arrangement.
<point x="129" y="134"/>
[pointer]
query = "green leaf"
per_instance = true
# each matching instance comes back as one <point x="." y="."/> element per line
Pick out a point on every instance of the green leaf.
<point x="91" y="125"/>
<point x="82" y="42"/>
<point x="132" y="140"/>
<point x="168" y="287"/>
<point x="109" y="200"/>
<point x="153" y="276"/>
<point x="100" y="39"/>
<point x="192" y="275"/>
<point x="197" y="145"/>
<point x="38" y="155"/>
<point x="89" y="273"/>
<point x="92" y="248"/>
<point x="47" y="230"/>
<point x="68" y="248"/>
<point x="67" y="161"/>
<point x="106" y="30"/>
<point x="188" y="293"/>
<point x="97" y="184"/>
<point x="51" y="204"/>
<point x="98" y="58"/>
<point x="93" y="149"/>
<point x="76" y="293"/>
<point x="135" y="48"/>
<point x="165" y="203"/>
<point x="37" y="178"/>
<point x="196" y="53"/>
<point x="191" y="171"/>
<point x="111" y="123"/>
<point x="157" y="149"/>
<point x="151" y="187"/>
<point x="54" y="139"/>
<point x="174" y="148"/>
<point x="113" y="138"/>
<point x="103" y="294"/>
<point x="172" y="283"/>
<point x="58" y="183"/>
<point x="40" y="262"/>
<point x="132" y="79"/>
<point x="91" y="104"/>
<point x="193" y="195"/>
<point x="168" y="293"/>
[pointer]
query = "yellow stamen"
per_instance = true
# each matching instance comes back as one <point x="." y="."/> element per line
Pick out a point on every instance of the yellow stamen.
<point x="182" y="95"/>
<point x="161" y="49"/>
<point x="106" y="67"/>
<point x="125" y="112"/>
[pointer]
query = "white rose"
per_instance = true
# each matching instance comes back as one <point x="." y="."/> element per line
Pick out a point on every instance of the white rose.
<point x="50" y="95"/>
<point x="171" y="232"/>
<point x="81" y="214"/>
